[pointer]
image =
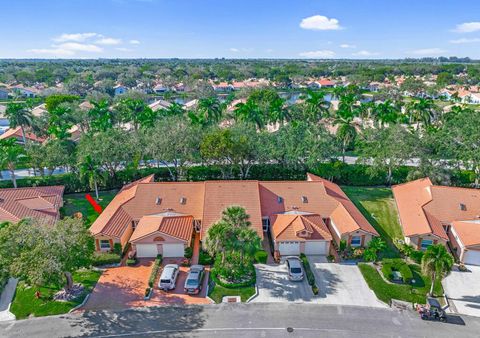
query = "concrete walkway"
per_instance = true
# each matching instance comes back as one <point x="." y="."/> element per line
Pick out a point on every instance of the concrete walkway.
<point x="6" y="299"/>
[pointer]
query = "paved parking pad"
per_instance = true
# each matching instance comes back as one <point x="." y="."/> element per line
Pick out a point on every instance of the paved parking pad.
<point x="463" y="290"/>
<point x="338" y="284"/>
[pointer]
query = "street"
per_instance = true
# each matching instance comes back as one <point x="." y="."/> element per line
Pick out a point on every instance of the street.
<point x="243" y="320"/>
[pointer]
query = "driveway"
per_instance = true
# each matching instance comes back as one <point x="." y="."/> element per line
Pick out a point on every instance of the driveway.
<point x="463" y="291"/>
<point x="338" y="284"/>
<point x="124" y="287"/>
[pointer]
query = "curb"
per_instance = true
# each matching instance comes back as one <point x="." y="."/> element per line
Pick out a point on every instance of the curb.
<point x="81" y="304"/>
<point x="254" y="295"/>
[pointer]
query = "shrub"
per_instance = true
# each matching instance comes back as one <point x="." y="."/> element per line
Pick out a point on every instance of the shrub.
<point x="204" y="258"/>
<point x="105" y="258"/>
<point x="188" y="252"/>
<point x="261" y="256"/>
<point x="117" y="249"/>
<point x="156" y="267"/>
<point x="131" y="261"/>
<point x="331" y="258"/>
<point x="387" y="271"/>
<point x="147" y="292"/>
<point x="308" y="270"/>
<point x="214" y="275"/>
<point x="397" y="264"/>
<point x="343" y="245"/>
<point x="370" y="255"/>
<point x="357" y="253"/>
<point x="416" y="256"/>
<point x="315" y="289"/>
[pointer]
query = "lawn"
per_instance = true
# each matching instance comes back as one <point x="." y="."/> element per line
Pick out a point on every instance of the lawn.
<point x="25" y="304"/>
<point x="219" y="292"/>
<point x="378" y="206"/>
<point x="78" y="203"/>
<point x="384" y="291"/>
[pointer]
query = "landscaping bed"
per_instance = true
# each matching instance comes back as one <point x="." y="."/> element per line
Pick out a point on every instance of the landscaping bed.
<point x="25" y="303"/>
<point x="217" y="292"/>
<point x="74" y="203"/>
<point x="414" y="293"/>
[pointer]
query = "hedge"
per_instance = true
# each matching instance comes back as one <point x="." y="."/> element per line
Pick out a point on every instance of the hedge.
<point x="105" y="258"/>
<point x="339" y="172"/>
<point x="154" y="273"/>
<point x="308" y="270"/>
<point x="397" y="264"/>
<point x="214" y="277"/>
<point x="204" y="258"/>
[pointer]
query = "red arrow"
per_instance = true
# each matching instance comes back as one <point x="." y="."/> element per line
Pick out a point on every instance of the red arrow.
<point x="94" y="203"/>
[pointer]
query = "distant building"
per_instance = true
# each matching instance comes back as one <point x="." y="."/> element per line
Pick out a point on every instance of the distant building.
<point x="222" y="87"/>
<point x="160" y="88"/>
<point x="26" y="92"/>
<point x="3" y="94"/>
<point x="322" y="83"/>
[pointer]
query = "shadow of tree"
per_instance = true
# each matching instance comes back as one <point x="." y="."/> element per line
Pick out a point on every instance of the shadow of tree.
<point x="179" y="320"/>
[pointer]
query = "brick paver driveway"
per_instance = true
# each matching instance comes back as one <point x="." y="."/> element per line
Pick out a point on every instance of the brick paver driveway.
<point x="124" y="287"/>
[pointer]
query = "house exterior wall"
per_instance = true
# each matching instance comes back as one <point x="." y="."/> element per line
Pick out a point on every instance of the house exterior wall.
<point x="456" y="244"/>
<point x="416" y="241"/>
<point x="166" y="240"/>
<point x="100" y="237"/>
<point x="365" y="237"/>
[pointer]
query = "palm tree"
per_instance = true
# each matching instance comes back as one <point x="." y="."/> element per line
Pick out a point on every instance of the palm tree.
<point x="278" y="111"/>
<point x="10" y="154"/>
<point x="236" y="216"/>
<point x="217" y="236"/>
<point x="315" y="104"/>
<point x="100" y="116"/>
<point x="386" y="112"/>
<point x="209" y="111"/>
<point x="91" y="170"/>
<point x="248" y="242"/>
<point x="250" y="112"/>
<point x="346" y="133"/>
<point x="422" y="110"/>
<point x="436" y="261"/>
<point x="19" y="115"/>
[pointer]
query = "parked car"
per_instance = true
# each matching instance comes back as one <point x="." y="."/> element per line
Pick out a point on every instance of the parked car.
<point x="194" y="281"/>
<point x="168" y="278"/>
<point x="295" y="269"/>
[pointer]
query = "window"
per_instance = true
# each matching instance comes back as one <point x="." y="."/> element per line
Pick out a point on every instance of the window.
<point x="426" y="243"/>
<point x="265" y="224"/>
<point x="356" y="241"/>
<point x="105" y="244"/>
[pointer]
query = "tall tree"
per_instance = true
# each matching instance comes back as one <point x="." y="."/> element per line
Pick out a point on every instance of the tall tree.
<point x="137" y="112"/>
<point x="19" y="115"/>
<point x="315" y="105"/>
<point x="209" y="111"/>
<point x="101" y="117"/>
<point x="346" y="133"/>
<point x="11" y="154"/>
<point x="436" y="262"/>
<point x="91" y="170"/>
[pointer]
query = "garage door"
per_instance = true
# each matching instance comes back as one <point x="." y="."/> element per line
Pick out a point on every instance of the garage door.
<point x="147" y="250"/>
<point x="472" y="257"/>
<point x="289" y="248"/>
<point x="173" y="250"/>
<point x="316" y="248"/>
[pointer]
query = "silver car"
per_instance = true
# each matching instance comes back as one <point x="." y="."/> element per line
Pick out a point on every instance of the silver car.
<point x="168" y="278"/>
<point x="295" y="268"/>
<point x="194" y="281"/>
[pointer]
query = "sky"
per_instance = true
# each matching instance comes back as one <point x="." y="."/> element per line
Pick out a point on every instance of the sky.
<point x="355" y="29"/>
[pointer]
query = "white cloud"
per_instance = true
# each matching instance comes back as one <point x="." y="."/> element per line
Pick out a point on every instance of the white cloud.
<point x="346" y="45"/>
<point x="468" y="27"/>
<point x="320" y="22"/>
<point x="52" y="51"/>
<point x="78" y="37"/>
<point x="364" y="53"/>
<point x="80" y="47"/>
<point x="321" y="54"/>
<point x="428" y="51"/>
<point x="235" y="50"/>
<point x="465" y="40"/>
<point x="134" y="42"/>
<point x="108" y="41"/>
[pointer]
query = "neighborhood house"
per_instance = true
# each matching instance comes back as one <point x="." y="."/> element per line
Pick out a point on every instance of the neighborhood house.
<point x="431" y="214"/>
<point x="161" y="217"/>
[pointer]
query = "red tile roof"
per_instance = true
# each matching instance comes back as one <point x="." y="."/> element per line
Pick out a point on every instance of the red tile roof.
<point x="17" y="133"/>
<point x="39" y="203"/>
<point x="177" y="226"/>
<point x="468" y="232"/>
<point x="299" y="226"/>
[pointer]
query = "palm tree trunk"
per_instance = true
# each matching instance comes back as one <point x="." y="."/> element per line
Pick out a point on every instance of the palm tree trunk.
<point x="434" y="275"/>
<point x="96" y="188"/>
<point x="23" y="136"/>
<point x="69" y="278"/>
<point x="13" y="177"/>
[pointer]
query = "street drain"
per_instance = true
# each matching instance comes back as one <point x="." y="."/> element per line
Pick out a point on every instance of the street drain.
<point x="290" y="329"/>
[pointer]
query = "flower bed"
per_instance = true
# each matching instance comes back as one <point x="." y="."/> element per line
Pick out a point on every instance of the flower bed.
<point x="156" y="267"/>
<point x="396" y="264"/>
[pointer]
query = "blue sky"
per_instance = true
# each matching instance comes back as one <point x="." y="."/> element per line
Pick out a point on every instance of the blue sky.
<point x="239" y="29"/>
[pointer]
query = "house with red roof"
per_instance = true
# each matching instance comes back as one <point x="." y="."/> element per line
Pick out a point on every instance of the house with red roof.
<point x="161" y="217"/>
<point x="38" y="203"/>
<point x="431" y="214"/>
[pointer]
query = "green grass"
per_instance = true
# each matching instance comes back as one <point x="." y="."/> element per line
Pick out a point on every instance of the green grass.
<point x="78" y="203"/>
<point x="378" y="206"/>
<point x="219" y="292"/>
<point x="384" y="291"/>
<point x="25" y="304"/>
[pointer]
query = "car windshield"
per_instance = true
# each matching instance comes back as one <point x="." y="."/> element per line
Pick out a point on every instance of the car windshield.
<point x="192" y="282"/>
<point x="164" y="280"/>
<point x="296" y="270"/>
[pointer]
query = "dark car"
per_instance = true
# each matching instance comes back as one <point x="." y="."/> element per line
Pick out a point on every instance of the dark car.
<point x="194" y="281"/>
<point x="432" y="311"/>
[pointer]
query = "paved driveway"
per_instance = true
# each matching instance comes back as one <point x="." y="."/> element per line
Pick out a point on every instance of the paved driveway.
<point x="463" y="290"/>
<point x="338" y="284"/>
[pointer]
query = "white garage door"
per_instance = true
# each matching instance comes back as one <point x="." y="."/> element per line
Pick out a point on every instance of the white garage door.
<point x="472" y="257"/>
<point x="316" y="248"/>
<point x="147" y="250"/>
<point x="173" y="250"/>
<point x="289" y="248"/>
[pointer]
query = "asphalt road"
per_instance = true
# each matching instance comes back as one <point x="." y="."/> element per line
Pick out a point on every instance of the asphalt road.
<point x="243" y="320"/>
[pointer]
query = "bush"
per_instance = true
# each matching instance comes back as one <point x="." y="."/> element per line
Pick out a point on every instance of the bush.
<point x="416" y="256"/>
<point x="147" y="292"/>
<point x="397" y="264"/>
<point x="131" y="261"/>
<point x="261" y="256"/>
<point x="315" y="289"/>
<point x="387" y="271"/>
<point x="331" y="258"/>
<point x="117" y="249"/>
<point x="406" y="272"/>
<point x="204" y="258"/>
<point x="156" y="267"/>
<point x="370" y="255"/>
<point x="214" y="275"/>
<point x="308" y="270"/>
<point x="343" y="245"/>
<point x="105" y="258"/>
<point x="188" y="252"/>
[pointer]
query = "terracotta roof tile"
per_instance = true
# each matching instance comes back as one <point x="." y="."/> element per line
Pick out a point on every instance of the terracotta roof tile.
<point x="289" y="227"/>
<point x="180" y="226"/>
<point x="468" y="232"/>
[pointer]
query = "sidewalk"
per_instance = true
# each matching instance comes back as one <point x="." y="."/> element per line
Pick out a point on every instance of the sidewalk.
<point x="6" y="299"/>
